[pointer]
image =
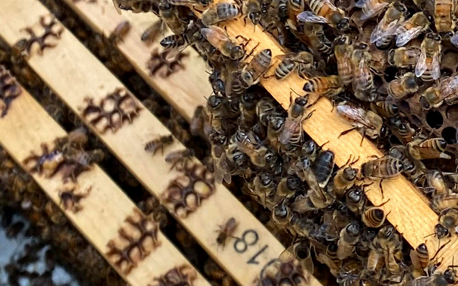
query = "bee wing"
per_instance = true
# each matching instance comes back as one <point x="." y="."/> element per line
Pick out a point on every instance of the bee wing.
<point x="373" y="11"/>
<point x="175" y="52"/>
<point x="310" y="17"/>
<point x="403" y="36"/>
<point x="288" y="130"/>
<point x="287" y="254"/>
<point x="436" y="67"/>
<point x="454" y="40"/>
<point x="421" y="67"/>
<point x="380" y="31"/>
<point x="214" y="34"/>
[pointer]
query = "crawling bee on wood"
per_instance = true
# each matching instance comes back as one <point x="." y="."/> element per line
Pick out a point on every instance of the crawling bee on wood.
<point x="159" y="143"/>
<point x="226" y="231"/>
<point x="179" y="157"/>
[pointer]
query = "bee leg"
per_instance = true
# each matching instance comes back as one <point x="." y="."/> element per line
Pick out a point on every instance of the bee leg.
<point x="362" y="138"/>
<point x="347" y="131"/>
<point x="382" y="203"/>
<point x="381" y="188"/>
<point x="315" y="102"/>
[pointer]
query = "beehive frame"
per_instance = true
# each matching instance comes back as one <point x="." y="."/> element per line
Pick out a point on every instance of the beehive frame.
<point x="414" y="222"/>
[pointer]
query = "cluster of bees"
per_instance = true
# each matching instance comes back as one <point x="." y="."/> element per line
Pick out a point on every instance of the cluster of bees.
<point x="385" y="55"/>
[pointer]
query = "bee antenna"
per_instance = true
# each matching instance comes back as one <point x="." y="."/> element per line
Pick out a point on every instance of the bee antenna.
<point x="440" y="248"/>
<point x="295" y="92"/>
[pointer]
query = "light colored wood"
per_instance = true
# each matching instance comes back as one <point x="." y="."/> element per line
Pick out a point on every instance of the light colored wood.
<point x="23" y="129"/>
<point x="74" y="73"/>
<point x="189" y="86"/>
<point x="409" y="209"/>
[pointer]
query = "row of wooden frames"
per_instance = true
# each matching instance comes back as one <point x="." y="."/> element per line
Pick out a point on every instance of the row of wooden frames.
<point x="74" y="74"/>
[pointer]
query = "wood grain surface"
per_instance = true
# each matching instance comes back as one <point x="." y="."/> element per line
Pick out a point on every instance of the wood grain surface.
<point x="24" y="129"/>
<point x="75" y="74"/>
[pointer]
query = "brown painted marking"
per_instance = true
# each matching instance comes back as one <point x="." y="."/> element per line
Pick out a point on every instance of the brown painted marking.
<point x="71" y="196"/>
<point x="50" y="30"/>
<point x="160" y="60"/>
<point x="183" y="276"/>
<point x="112" y="111"/>
<point x="9" y="90"/>
<point x="137" y="239"/>
<point x="186" y="192"/>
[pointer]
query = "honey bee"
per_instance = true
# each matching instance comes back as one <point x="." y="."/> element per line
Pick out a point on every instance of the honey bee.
<point x="374" y="217"/>
<point x="343" y="51"/>
<point x="226" y="231"/>
<point x="292" y="61"/>
<point x="136" y="6"/>
<point x="151" y="33"/>
<point x="355" y="198"/>
<point x="387" y="27"/>
<point x="449" y="219"/>
<point x="385" y="108"/>
<point x="444" y="16"/>
<point x="372" y="8"/>
<point x="436" y="184"/>
<point x="300" y="250"/>
<point x="191" y="3"/>
<point x="411" y="28"/>
<point x="327" y="86"/>
<point x="421" y="259"/>
<point x="159" y="143"/>
<point x="274" y="130"/>
<point x="323" y="166"/>
<point x="248" y="144"/>
<point x="330" y="258"/>
<point x="219" y="39"/>
<point x="428" y="65"/>
<point x="448" y="277"/>
<point x="403" y="86"/>
<point x="252" y="9"/>
<point x="401" y="129"/>
<point x="281" y="214"/>
<point x="292" y="130"/>
<point x="252" y="72"/>
<point x="180" y="156"/>
<point x="264" y="109"/>
<point x="405" y="57"/>
<point x="169" y="15"/>
<point x="288" y="186"/>
<point x="370" y="123"/>
<point x="323" y="11"/>
<point x="121" y="30"/>
<point x="363" y="79"/>
<point x="349" y="236"/>
<point x="345" y="178"/>
<point x="219" y="13"/>
<point x="433" y="148"/>
<point x="440" y="203"/>
<point x="435" y="96"/>
<point x="382" y="168"/>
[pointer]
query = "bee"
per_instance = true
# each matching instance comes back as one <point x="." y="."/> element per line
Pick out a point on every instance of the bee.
<point x="403" y="86"/>
<point x="291" y="62"/>
<point x="401" y="129"/>
<point x="385" y="108"/>
<point x="219" y="39"/>
<point x="253" y="10"/>
<point x="411" y="28"/>
<point x="150" y="34"/>
<point x="421" y="259"/>
<point x="432" y="148"/>
<point x="169" y="15"/>
<point x="292" y="129"/>
<point x="327" y="86"/>
<point x="191" y="3"/>
<point x="349" y="236"/>
<point x="121" y="30"/>
<point x="387" y="27"/>
<point x="226" y="231"/>
<point x="444" y="15"/>
<point x="355" y="198"/>
<point x="440" y="203"/>
<point x="216" y="111"/>
<point x="343" y="51"/>
<point x="448" y="277"/>
<point x="369" y="122"/>
<point x="274" y="129"/>
<point x="372" y="8"/>
<point x="159" y="143"/>
<point x="247" y="106"/>
<point x="252" y="72"/>
<point x="281" y="214"/>
<point x="382" y="168"/>
<point x="345" y="178"/>
<point x="288" y="186"/>
<point x="180" y="156"/>
<point x="219" y="13"/>
<point x="300" y="250"/>
<point x="363" y="79"/>
<point x="323" y="11"/>
<point x="248" y="144"/>
<point x="263" y="187"/>
<point x="323" y="166"/>
<point x="435" y="96"/>
<point x="136" y="6"/>
<point x="436" y="184"/>
<point x="265" y="108"/>
<point x="428" y="65"/>
<point x="330" y="258"/>
<point x="404" y="57"/>
<point x="449" y="219"/>
<point x="374" y="217"/>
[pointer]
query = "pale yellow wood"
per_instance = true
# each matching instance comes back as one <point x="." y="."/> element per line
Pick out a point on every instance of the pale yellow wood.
<point x="74" y="73"/>
<point x="183" y="89"/>
<point x="23" y="129"/>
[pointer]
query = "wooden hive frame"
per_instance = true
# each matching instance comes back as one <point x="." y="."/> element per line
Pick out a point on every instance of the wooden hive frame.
<point x="105" y="208"/>
<point x="75" y="74"/>
<point x="412" y="217"/>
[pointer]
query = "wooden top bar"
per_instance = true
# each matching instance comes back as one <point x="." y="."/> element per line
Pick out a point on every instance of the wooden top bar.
<point x="75" y="74"/>
<point x="184" y="90"/>
<point x="23" y="129"/>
